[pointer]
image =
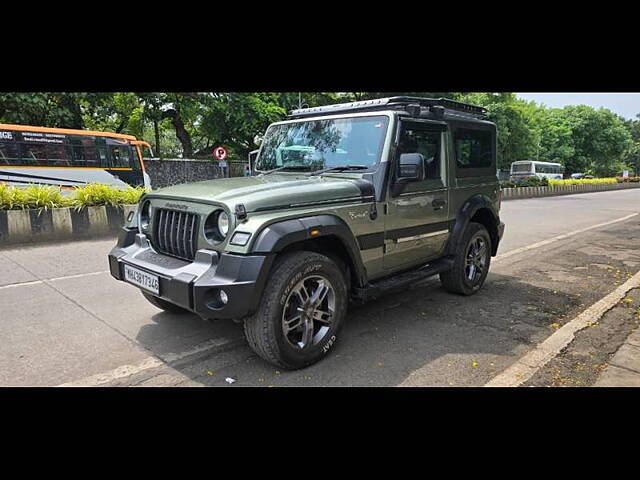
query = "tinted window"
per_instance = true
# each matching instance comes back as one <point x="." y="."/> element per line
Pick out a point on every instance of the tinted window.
<point x="85" y="153"/>
<point x="474" y="148"/>
<point x="9" y="152"/>
<point x="34" y="153"/>
<point x="59" y="155"/>
<point x="426" y="143"/>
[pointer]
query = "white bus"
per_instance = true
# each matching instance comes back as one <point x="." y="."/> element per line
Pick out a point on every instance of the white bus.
<point x="529" y="168"/>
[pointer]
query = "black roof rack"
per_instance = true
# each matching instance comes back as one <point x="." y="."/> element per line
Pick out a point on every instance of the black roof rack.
<point x="392" y="103"/>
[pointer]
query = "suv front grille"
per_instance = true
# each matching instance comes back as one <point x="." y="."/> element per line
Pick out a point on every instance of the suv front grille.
<point x="175" y="233"/>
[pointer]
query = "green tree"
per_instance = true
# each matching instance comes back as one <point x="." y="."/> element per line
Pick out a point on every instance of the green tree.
<point x="600" y="139"/>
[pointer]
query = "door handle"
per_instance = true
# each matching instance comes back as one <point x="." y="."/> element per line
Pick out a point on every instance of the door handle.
<point x="438" y="203"/>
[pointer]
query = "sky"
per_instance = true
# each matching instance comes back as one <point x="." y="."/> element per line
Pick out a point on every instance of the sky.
<point x="626" y="105"/>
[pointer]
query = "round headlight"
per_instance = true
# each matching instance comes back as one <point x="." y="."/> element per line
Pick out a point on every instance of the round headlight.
<point x="223" y="224"/>
<point x="145" y="216"/>
<point x="216" y="226"/>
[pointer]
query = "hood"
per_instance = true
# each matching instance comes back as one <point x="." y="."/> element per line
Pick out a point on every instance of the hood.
<point x="269" y="191"/>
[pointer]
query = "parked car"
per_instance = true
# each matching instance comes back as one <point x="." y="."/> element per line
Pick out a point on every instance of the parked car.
<point x="578" y="176"/>
<point x="346" y="202"/>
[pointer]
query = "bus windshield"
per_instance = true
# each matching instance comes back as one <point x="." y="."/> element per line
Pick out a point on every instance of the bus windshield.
<point x="320" y="144"/>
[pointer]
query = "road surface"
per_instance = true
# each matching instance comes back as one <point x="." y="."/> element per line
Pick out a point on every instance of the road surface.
<point x="65" y="320"/>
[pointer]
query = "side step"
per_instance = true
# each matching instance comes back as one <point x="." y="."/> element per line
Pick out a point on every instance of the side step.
<point x="401" y="281"/>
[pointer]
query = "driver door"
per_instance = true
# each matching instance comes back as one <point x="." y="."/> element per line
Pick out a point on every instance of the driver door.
<point x="416" y="226"/>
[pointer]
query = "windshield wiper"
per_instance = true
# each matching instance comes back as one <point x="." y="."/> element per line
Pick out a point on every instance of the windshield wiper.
<point x="341" y="168"/>
<point x="282" y="168"/>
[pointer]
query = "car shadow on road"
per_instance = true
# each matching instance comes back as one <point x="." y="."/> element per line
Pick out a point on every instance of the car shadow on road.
<point x="421" y="336"/>
<point x="177" y="336"/>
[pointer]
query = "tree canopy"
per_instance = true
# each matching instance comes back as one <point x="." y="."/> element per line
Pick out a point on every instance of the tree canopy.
<point x="191" y="125"/>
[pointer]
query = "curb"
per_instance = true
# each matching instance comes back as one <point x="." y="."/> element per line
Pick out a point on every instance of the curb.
<point x="535" y="192"/>
<point x="525" y="367"/>
<point x="59" y="224"/>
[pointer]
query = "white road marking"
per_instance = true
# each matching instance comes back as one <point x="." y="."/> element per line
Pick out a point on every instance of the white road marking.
<point x="36" y="282"/>
<point x="151" y="362"/>
<point x="524" y="368"/>
<point x="542" y="243"/>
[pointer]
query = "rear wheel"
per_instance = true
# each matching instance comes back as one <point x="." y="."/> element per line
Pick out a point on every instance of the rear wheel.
<point x="471" y="264"/>
<point x="301" y="311"/>
<point x="163" y="304"/>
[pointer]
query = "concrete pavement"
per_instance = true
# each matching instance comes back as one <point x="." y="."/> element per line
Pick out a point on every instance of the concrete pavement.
<point x="624" y="368"/>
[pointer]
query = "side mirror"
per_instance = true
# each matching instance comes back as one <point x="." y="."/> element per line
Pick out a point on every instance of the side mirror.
<point x="410" y="169"/>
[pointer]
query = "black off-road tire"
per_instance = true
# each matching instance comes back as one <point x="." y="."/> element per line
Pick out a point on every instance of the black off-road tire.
<point x="455" y="280"/>
<point x="264" y="331"/>
<point x="163" y="304"/>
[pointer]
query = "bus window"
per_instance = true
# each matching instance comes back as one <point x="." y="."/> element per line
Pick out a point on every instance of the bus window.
<point x="9" y="153"/>
<point x="34" y="153"/>
<point x="59" y="155"/>
<point x="102" y="153"/>
<point x="521" y="168"/>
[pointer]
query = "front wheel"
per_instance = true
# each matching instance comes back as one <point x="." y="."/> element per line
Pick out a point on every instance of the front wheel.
<point x="471" y="264"/>
<point x="301" y="311"/>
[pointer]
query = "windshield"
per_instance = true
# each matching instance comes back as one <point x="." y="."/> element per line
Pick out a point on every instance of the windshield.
<point x="323" y="144"/>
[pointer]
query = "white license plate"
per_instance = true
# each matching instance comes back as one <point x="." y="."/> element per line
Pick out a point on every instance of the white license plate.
<point x="142" y="279"/>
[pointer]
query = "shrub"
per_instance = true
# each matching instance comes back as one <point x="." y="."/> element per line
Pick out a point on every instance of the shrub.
<point x="582" y="181"/>
<point x="11" y="198"/>
<point x="100" y="194"/>
<point x="42" y="197"/>
<point x="534" y="182"/>
<point x="49" y="196"/>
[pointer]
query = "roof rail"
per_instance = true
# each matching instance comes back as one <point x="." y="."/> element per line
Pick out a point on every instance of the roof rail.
<point x="391" y="102"/>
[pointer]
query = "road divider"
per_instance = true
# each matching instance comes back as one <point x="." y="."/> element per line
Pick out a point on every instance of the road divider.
<point x="61" y="224"/>
<point x="551" y="191"/>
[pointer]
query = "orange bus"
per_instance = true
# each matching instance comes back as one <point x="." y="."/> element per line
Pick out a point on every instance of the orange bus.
<point x="70" y="158"/>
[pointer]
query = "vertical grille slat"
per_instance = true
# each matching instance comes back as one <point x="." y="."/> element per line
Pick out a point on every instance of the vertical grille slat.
<point x="175" y="233"/>
<point x="192" y="239"/>
<point x="161" y="236"/>
<point x="185" y="236"/>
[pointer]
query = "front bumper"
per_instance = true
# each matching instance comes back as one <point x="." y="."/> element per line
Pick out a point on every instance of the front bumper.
<point x="196" y="285"/>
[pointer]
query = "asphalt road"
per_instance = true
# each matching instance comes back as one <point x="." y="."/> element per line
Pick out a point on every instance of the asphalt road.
<point x="63" y="319"/>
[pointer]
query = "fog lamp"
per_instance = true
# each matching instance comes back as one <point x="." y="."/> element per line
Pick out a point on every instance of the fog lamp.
<point x="223" y="297"/>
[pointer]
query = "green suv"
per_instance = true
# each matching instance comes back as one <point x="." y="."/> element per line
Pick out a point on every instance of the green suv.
<point x="346" y="202"/>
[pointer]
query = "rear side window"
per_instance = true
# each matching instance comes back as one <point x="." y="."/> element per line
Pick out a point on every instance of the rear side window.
<point x="474" y="148"/>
